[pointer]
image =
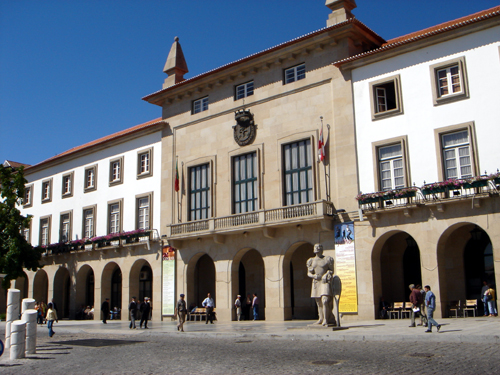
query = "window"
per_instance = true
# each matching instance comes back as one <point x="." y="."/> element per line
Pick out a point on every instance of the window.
<point x="457" y="155"/>
<point x="27" y="233"/>
<point x="385" y="97"/>
<point x="67" y="185"/>
<point x="245" y="183"/>
<point x="144" y="212"/>
<point x="391" y="167"/>
<point x="114" y="215"/>
<point x="244" y="90"/>
<point x="28" y="196"/>
<point x="46" y="191"/>
<point x="200" y="105"/>
<point x="144" y="163"/>
<point x="116" y="171"/>
<point x="65" y="227"/>
<point x="449" y="81"/>
<point x="199" y="192"/>
<point x="88" y="222"/>
<point x="90" y="182"/>
<point x="44" y="231"/>
<point x="295" y="74"/>
<point x="298" y="172"/>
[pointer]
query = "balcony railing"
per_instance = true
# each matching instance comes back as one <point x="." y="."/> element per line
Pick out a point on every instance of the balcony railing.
<point x="448" y="191"/>
<point x="313" y="211"/>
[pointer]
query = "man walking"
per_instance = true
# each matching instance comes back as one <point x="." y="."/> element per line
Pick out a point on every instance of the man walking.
<point x="145" y="311"/>
<point x="416" y="300"/>
<point x="105" y="310"/>
<point x="181" y="311"/>
<point x="132" y="308"/>
<point x="430" y="303"/>
<point x="255" y="307"/>
<point x="237" y="305"/>
<point x="209" y="304"/>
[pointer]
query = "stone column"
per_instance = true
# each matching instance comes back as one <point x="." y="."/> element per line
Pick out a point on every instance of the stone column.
<point x="27" y="304"/>
<point x="29" y="317"/>
<point x="13" y="297"/>
<point x="17" y="339"/>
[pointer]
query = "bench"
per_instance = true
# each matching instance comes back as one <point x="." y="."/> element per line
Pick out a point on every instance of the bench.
<point x="200" y="313"/>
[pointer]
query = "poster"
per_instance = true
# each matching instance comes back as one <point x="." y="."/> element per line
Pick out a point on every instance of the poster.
<point x="168" y="280"/>
<point x="345" y="266"/>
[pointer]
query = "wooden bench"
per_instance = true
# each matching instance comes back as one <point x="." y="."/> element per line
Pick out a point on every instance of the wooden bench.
<point x="200" y="313"/>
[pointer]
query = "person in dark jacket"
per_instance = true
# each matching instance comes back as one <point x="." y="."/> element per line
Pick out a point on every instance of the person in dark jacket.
<point x="416" y="300"/>
<point x="132" y="308"/>
<point x="105" y="310"/>
<point x="145" y="312"/>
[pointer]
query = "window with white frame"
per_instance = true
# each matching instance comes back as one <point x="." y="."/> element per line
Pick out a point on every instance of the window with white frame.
<point x="449" y="80"/>
<point x="385" y="95"/>
<point x="28" y="196"/>
<point x="90" y="176"/>
<point x="200" y="105"/>
<point x="65" y="228"/>
<point x="144" y="163"/>
<point x="244" y="90"/>
<point x="67" y="185"/>
<point x="298" y="172"/>
<point x="457" y="155"/>
<point x="88" y="223"/>
<point x="295" y="73"/>
<point x="114" y="218"/>
<point x="116" y="171"/>
<point x="27" y="233"/>
<point x="245" y="183"/>
<point x="45" y="231"/>
<point x="46" y="191"/>
<point x="391" y="167"/>
<point x="199" y="192"/>
<point x="143" y="210"/>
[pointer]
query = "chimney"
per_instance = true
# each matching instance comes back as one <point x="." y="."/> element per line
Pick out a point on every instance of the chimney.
<point x="175" y="66"/>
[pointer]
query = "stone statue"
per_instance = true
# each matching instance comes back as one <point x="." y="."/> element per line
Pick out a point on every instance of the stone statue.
<point x="320" y="269"/>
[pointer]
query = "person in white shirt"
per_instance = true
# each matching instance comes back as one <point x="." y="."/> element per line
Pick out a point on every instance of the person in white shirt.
<point x="209" y="304"/>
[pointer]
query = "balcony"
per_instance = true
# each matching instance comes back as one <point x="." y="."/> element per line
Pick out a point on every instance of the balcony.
<point x="321" y="212"/>
<point x="438" y="193"/>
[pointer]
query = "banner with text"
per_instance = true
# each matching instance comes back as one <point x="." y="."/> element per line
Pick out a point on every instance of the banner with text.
<point x="345" y="266"/>
<point x="168" y="280"/>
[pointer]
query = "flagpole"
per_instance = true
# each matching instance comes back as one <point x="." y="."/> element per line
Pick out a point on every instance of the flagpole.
<point x="328" y="182"/>
<point x="176" y="182"/>
<point x="322" y="142"/>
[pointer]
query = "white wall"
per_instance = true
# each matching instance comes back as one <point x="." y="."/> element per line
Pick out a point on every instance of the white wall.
<point x="421" y="117"/>
<point x="104" y="193"/>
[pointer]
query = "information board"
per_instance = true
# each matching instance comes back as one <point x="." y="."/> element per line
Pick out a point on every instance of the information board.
<point x="345" y="266"/>
<point x="168" y="281"/>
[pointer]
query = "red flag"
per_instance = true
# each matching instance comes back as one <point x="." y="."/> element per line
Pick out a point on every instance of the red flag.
<point x="176" y="187"/>
<point x="321" y="146"/>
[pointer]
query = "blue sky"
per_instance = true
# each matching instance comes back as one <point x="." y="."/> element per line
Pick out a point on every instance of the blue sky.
<point x="75" y="71"/>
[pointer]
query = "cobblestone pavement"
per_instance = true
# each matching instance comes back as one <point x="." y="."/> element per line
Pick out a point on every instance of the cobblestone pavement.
<point x="154" y="353"/>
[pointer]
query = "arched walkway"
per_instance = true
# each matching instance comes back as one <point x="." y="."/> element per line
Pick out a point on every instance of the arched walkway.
<point x="247" y="275"/>
<point x="141" y="280"/>
<point x="62" y="285"/>
<point x="200" y="279"/>
<point x="297" y="286"/>
<point x="84" y="287"/>
<point x="111" y="286"/>
<point x="465" y="260"/>
<point x="41" y="286"/>
<point x="396" y="264"/>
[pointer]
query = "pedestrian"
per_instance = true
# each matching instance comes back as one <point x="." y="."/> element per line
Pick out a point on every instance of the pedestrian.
<point x="105" y="310"/>
<point x="491" y="301"/>
<point x="255" y="307"/>
<point x="132" y="308"/>
<point x="484" y="289"/>
<point x="181" y="311"/>
<point x="416" y="301"/>
<point x="43" y="306"/>
<point x="237" y="305"/>
<point x="423" y="317"/>
<point x="209" y="304"/>
<point x="430" y="304"/>
<point x="39" y="318"/>
<point x="145" y="311"/>
<point x="383" y="308"/>
<point x="51" y="316"/>
<point x="248" y="306"/>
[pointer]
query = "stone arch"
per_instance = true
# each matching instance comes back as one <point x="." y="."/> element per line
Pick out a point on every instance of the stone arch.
<point x="463" y="250"/>
<point x="85" y="287"/>
<point x="248" y="277"/>
<point x="61" y="292"/>
<point x="140" y="280"/>
<point x="41" y="286"/>
<point x="200" y="277"/>
<point x="298" y="303"/>
<point x="396" y="264"/>
<point x="111" y="285"/>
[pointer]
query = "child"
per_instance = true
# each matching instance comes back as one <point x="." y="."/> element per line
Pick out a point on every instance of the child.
<point x="51" y="316"/>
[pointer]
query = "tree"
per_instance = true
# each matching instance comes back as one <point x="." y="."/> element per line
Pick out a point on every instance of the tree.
<point x="15" y="252"/>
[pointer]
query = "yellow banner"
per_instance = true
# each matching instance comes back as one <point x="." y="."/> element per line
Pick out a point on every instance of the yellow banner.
<point x="345" y="266"/>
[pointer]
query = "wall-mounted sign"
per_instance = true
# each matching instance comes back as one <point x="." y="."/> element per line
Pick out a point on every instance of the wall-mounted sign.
<point x="168" y="280"/>
<point x="345" y="266"/>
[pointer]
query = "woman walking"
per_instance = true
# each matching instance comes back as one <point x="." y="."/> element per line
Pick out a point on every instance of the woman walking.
<point x="51" y="316"/>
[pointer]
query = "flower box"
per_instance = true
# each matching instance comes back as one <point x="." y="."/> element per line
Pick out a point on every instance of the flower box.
<point x="408" y="194"/>
<point x="475" y="184"/>
<point x="436" y="190"/>
<point x="369" y="200"/>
